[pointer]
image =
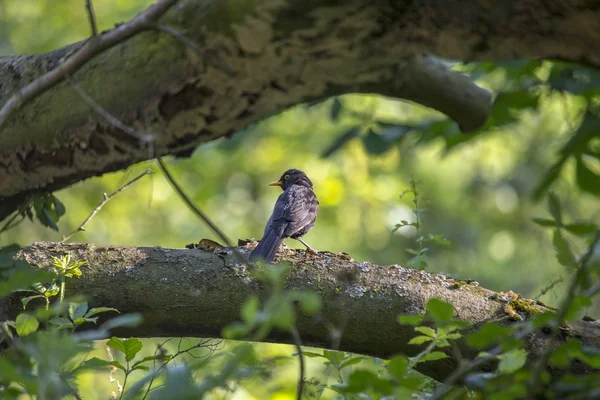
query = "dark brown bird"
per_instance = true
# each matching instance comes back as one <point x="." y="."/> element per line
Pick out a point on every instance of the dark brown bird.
<point x="294" y="214"/>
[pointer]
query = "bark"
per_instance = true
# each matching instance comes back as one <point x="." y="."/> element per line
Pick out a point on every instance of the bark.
<point x="255" y="58"/>
<point x="195" y="293"/>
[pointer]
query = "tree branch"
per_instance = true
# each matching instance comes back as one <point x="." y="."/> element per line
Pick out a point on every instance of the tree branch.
<point x="90" y="48"/>
<point x="243" y="67"/>
<point x="169" y="285"/>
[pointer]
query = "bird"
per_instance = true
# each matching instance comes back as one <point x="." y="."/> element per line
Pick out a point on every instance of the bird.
<point x="294" y="214"/>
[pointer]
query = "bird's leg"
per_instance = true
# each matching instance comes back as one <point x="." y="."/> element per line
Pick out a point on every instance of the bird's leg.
<point x="308" y="248"/>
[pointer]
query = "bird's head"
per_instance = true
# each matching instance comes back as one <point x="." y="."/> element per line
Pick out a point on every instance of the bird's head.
<point x="292" y="177"/>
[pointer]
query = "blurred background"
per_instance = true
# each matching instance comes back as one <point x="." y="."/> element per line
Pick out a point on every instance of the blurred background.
<point x="480" y="190"/>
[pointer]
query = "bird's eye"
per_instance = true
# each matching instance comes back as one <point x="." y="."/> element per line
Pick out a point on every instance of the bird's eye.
<point x="287" y="177"/>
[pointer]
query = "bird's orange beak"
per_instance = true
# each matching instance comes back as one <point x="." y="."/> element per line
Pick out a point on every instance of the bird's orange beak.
<point x="276" y="183"/>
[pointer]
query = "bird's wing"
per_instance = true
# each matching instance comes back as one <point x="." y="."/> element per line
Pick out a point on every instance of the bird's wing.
<point x="301" y="210"/>
<point x="278" y="215"/>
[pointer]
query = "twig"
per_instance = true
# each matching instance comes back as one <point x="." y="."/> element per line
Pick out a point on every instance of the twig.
<point x="536" y="374"/>
<point x="145" y="138"/>
<point x="85" y="53"/>
<point x="199" y="212"/>
<point x="90" y="10"/>
<point x="298" y="344"/>
<point x="105" y="200"/>
<point x="9" y="224"/>
<point x="549" y="287"/>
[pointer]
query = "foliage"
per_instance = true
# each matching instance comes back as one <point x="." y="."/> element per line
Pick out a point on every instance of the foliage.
<point x="418" y="260"/>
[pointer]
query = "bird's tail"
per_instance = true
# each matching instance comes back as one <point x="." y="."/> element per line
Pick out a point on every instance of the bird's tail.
<point x="269" y="244"/>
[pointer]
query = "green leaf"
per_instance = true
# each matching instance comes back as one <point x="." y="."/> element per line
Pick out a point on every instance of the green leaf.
<point x="58" y="206"/>
<point x="311" y="354"/>
<point x="425" y="330"/>
<point x="26" y="324"/>
<point x="544" y="222"/>
<point x="411" y="320"/>
<point x="398" y="366"/>
<point x="512" y="361"/>
<point x="77" y="310"/>
<point x="146" y="359"/>
<point x="23" y="278"/>
<point x="127" y="320"/>
<point x="250" y="309"/>
<point x="351" y="361"/>
<point x="129" y="347"/>
<point x="336" y="108"/>
<point x="563" y="250"/>
<point x="310" y="302"/>
<point x="586" y="178"/>
<point x="433" y="356"/>
<point x="420" y="340"/>
<point x="489" y="334"/>
<point x="581" y="228"/>
<point x="440" y="310"/>
<point x="235" y="330"/>
<point x="99" y="310"/>
<point x="61" y="322"/>
<point x="375" y="144"/>
<point x="26" y="300"/>
<point x="554" y="208"/>
<point x="284" y="317"/>
<point x="337" y="144"/>
<point x="97" y="363"/>
<point x="336" y="357"/>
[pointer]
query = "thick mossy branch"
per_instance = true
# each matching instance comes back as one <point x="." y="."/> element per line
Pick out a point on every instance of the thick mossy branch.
<point x="213" y="67"/>
<point x="195" y="292"/>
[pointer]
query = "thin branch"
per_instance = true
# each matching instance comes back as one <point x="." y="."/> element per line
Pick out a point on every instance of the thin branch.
<point x="85" y="53"/>
<point x="10" y="225"/>
<point x="105" y="200"/>
<point x="298" y="344"/>
<point x="90" y="11"/>
<point x="144" y="138"/>
<point x="200" y="213"/>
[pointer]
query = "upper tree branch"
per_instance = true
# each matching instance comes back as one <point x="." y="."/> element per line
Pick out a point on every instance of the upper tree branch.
<point x="197" y="292"/>
<point x="92" y="47"/>
<point x="244" y="66"/>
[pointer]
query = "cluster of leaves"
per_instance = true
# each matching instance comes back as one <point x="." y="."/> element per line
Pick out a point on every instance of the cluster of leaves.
<point x="525" y="83"/>
<point x="46" y="208"/>
<point x="419" y="254"/>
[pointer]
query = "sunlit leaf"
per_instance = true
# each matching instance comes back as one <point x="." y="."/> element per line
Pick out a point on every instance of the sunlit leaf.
<point x="440" y="310"/>
<point x="26" y="324"/>
<point x="564" y="254"/>
<point x="512" y="361"/>
<point x="434" y="356"/>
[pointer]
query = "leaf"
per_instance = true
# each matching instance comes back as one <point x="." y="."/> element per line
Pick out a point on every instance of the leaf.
<point x="336" y="108"/>
<point x="412" y="320"/>
<point x="348" y="135"/>
<point x="99" y="310"/>
<point x="97" y="363"/>
<point x="563" y="251"/>
<point x="587" y="179"/>
<point x="581" y="228"/>
<point x="26" y="324"/>
<point x="336" y="357"/>
<point x="61" y="322"/>
<point x="351" y="361"/>
<point x="433" y="356"/>
<point x="490" y="333"/>
<point x="26" y="300"/>
<point x="147" y="359"/>
<point x="544" y="222"/>
<point x="23" y="278"/>
<point x="250" y="309"/>
<point x="129" y="347"/>
<point x="398" y="366"/>
<point x="58" y="206"/>
<point x="440" y="310"/>
<point x="554" y="208"/>
<point x="427" y="331"/>
<point x="375" y="144"/>
<point x="311" y="354"/>
<point x="512" y="361"/>
<point x="549" y="177"/>
<point x="310" y="302"/>
<point x="127" y="320"/>
<point x="284" y="316"/>
<point x="77" y="310"/>
<point x="420" y="340"/>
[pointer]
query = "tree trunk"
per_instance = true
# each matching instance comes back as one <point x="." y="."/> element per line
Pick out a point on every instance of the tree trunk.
<point x="195" y="293"/>
<point x="212" y="68"/>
